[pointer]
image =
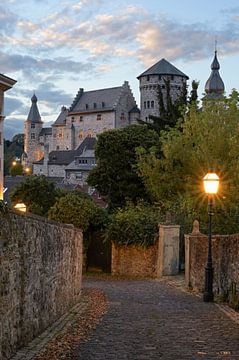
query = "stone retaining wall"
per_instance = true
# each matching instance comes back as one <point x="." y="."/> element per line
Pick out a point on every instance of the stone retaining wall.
<point x="40" y="276"/>
<point x="155" y="261"/>
<point x="134" y="260"/>
<point x="225" y="252"/>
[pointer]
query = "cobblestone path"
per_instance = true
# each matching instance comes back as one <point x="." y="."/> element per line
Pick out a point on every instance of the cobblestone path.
<point x="154" y="320"/>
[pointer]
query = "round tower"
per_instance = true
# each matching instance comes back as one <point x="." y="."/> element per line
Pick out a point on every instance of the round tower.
<point x="32" y="129"/>
<point x="214" y="86"/>
<point x="151" y="79"/>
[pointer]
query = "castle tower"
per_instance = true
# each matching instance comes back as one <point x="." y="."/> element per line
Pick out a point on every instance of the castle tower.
<point x="32" y="129"/>
<point x="214" y="86"/>
<point x="154" y="77"/>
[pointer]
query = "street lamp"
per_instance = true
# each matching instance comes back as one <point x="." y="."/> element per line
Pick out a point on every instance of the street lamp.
<point x="20" y="207"/>
<point x="211" y="185"/>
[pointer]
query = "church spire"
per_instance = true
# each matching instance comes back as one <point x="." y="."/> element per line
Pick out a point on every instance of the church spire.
<point x="34" y="115"/>
<point x="214" y="86"/>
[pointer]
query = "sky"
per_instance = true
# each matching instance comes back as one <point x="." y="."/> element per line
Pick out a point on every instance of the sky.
<point x="54" y="47"/>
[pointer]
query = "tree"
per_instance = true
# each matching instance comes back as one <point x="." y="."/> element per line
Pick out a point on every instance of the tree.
<point x="207" y="138"/>
<point x="37" y="193"/>
<point x="12" y="150"/>
<point x="115" y="175"/>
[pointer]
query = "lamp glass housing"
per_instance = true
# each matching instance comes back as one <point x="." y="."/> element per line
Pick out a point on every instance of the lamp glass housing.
<point x="20" y="207"/>
<point x="211" y="183"/>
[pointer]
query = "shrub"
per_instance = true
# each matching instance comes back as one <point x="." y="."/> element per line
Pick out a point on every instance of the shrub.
<point x="134" y="225"/>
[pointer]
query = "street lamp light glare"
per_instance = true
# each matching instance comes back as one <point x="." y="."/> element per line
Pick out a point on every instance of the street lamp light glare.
<point x="211" y="183"/>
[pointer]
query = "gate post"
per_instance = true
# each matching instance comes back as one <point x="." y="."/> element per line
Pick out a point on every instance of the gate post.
<point x="168" y="250"/>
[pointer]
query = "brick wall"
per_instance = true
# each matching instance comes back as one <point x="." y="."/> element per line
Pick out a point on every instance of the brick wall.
<point x="225" y="252"/>
<point x="40" y="276"/>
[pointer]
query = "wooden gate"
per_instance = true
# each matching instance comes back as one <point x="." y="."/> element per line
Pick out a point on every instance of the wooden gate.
<point x="99" y="254"/>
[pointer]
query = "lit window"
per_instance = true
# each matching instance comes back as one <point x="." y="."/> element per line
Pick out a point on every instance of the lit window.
<point x="152" y="104"/>
<point x="33" y="136"/>
<point x="81" y="135"/>
<point x="98" y="117"/>
<point x="32" y="126"/>
<point x="90" y="133"/>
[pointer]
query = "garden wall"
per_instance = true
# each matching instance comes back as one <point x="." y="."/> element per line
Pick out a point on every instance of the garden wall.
<point x="225" y="252"/>
<point x="155" y="261"/>
<point x="40" y="276"/>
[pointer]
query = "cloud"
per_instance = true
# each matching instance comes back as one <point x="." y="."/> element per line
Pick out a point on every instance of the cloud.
<point x="13" y="106"/>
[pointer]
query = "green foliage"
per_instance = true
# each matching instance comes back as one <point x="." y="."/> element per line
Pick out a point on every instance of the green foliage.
<point x="16" y="169"/>
<point x="37" y="193"/>
<point x="134" y="225"/>
<point x="115" y="175"/>
<point x="206" y="138"/>
<point x="78" y="209"/>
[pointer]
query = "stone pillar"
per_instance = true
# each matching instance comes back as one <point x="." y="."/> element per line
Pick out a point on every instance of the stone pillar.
<point x="168" y="250"/>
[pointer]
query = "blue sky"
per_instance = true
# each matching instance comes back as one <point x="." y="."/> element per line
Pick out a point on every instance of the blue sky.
<point x="54" y="47"/>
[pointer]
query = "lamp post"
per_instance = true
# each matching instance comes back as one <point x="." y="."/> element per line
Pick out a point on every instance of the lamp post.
<point x="211" y="185"/>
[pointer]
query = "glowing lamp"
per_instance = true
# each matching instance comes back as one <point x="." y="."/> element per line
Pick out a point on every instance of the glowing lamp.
<point x="20" y="207"/>
<point x="211" y="183"/>
<point x="14" y="163"/>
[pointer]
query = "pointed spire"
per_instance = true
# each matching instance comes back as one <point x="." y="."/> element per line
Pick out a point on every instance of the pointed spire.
<point x="214" y="85"/>
<point x="34" y="115"/>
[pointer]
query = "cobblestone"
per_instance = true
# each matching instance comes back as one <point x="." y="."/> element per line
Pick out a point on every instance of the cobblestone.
<point x="149" y="320"/>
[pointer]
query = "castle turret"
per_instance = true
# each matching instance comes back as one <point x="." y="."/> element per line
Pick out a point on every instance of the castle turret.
<point x="32" y="129"/>
<point x="151" y="79"/>
<point x="214" y="86"/>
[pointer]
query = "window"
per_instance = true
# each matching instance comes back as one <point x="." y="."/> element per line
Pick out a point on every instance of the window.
<point x="98" y="117"/>
<point x="148" y="104"/>
<point x="0" y="138"/>
<point x="145" y="104"/>
<point x="57" y="148"/>
<point x="148" y="77"/>
<point x="152" y="104"/>
<point x="33" y="136"/>
<point x="90" y="133"/>
<point x="60" y="135"/>
<point x="172" y="77"/>
<point x="81" y="135"/>
<point x="32" y="126"/>
<point x="160" y="77"/>
<point x="81" y="118"/>
<point x="79" y="175"/>
<point x="95" y="105"/>
<point x="122" y="117"/>
<point x="146" y="119"/>
<point x="86" y="106"/>
<point x="72" y="119"/>
<point x="103" y="104"/>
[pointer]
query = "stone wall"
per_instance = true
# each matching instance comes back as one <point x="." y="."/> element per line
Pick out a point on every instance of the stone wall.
<point x="40" y="276"/>
<point x="225" y="253"/>
<point x="134" y="260"/>
<point x="155" y="261"/>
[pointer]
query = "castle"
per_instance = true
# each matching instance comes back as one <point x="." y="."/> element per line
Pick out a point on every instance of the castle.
<point x="65" y="149"/>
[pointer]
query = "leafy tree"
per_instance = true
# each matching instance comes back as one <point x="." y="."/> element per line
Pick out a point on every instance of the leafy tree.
<point x="16" y="169"/>
<point x="37" y="193"/>
<point x="206" y="138"/>
<point x="115" y="175"/>
<point x="73" y="208"/>
<point x="12" y="149"/>
<point x="194" y="93"/>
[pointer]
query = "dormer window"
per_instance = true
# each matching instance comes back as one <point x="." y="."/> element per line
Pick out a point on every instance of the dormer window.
<point x="86" y="106"/>
<point x="95" y="105"/>
<point x="103" y="104"/>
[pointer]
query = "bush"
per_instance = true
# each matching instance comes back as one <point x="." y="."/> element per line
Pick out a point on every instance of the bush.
<point x="134" y="225"/>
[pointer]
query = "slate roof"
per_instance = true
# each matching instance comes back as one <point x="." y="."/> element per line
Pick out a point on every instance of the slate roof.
<point x="65" y="157"/>
<point x="61" y="120"/>
<point x="214" y="84"/>
<point x="163" y="67"/>
<point x="102" y="99"/>
<point x="34" y="115"/>
<point x="135" y="110"/>
<point x="46" y="131"/>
